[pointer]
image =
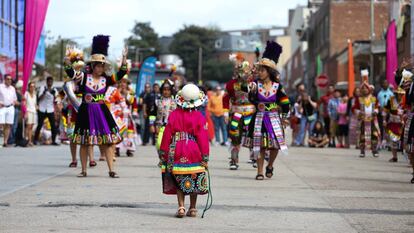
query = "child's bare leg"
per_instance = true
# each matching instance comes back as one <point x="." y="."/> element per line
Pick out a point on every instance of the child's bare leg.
<point x="193" y="201"/>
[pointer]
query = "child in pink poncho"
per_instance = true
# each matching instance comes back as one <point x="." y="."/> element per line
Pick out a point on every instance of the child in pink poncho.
<point x="184" y="150"/>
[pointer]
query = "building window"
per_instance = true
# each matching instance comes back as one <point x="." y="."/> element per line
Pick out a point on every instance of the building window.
<point x="326" y="28"/>
<point x="241" y="44"/>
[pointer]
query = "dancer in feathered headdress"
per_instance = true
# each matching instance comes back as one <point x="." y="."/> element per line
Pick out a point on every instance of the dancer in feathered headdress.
<point x="95" y="124"/>
<point x="405" y="78"/>
<point x="367" y="109"/>
<point x="239" y="115"/>
<point x="272" y="110"/>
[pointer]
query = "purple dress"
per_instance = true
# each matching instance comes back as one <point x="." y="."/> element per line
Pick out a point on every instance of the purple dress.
<point x="266" y="129"/>
<point x="95" y="124"/>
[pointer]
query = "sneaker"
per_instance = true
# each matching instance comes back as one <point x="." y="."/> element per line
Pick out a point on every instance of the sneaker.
<point x="233" y="166"/>
<point x="375" y="154"/>
<point x="227" y="143"/>
<point x="55" y="144"/>
<point x="216" y="144"/>
<point x="362" y="155"/>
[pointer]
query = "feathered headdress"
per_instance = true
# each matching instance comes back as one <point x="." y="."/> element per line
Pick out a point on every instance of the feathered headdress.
<point x="365" y="82"/>
<point x="172" y="70"/>
<point x="271" y="55"/>
<point x="236" y="57"/>
<point x="75" y="56"/>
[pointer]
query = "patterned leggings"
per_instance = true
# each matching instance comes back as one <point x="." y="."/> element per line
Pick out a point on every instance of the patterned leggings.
<point x="374" y="138"/>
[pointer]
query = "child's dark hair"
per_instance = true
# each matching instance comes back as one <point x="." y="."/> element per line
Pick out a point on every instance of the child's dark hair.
<point x="167" y="83"/>
<point x="319" y="131"/>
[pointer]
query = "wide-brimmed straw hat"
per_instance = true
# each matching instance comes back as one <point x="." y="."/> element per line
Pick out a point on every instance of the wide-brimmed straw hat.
<point x="271" y="55"/>
<point x="190" y="97"/>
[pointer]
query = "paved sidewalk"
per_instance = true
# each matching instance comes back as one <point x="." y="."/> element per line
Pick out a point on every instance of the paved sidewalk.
<point x="313" y="190"/>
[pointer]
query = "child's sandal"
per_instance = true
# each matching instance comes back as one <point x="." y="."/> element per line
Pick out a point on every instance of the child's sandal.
<point x="82" y="174"/>
<point x="259" y="177"/>
<point x="113" y="174"/>
<point x="269" y="172"/>
<point x="180" y="212"/>
<point x="192" y="213"/>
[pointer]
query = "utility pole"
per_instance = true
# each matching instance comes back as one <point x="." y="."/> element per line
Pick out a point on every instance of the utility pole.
<point x="200" y="65"/>
<point x="61" y="58"/>
<point x="137" y="54"/>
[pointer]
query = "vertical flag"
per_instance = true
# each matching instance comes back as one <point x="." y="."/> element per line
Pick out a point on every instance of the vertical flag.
<point x="35" y="14"/>
<point x="319" y="70"/>
<point x="146" y="74"/>
<point x="351" y="71"/>
<point x="392" y="57"/>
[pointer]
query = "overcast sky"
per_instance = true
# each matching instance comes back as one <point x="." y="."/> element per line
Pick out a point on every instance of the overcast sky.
<point x="85" y="18"/>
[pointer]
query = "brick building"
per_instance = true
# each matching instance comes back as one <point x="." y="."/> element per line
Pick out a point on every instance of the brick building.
<point x="332" y="25"/>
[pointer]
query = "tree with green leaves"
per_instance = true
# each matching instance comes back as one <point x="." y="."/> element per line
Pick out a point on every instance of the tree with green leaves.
<point x="143" y="36"/>
<point x="186" y="44"/>
<point x="54" y="57"/>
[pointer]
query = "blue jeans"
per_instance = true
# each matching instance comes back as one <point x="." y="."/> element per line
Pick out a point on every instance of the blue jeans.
<point x="219" y="125"/>
<point x="303" y="122"/>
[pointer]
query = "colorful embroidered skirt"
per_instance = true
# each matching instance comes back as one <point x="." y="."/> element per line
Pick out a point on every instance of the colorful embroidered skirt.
<point x="95" y="126"/>
<point x="369" y="135"/>
<point x="190" y="179"/>
<point x="265" y="132"/>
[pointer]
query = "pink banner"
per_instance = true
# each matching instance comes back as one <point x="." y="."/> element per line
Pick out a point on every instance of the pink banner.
<point x="34" y="18"/>
<point x="392" y="57"/>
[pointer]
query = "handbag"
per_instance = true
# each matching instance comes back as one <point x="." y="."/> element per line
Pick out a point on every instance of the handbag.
<point x="312" y="117"/>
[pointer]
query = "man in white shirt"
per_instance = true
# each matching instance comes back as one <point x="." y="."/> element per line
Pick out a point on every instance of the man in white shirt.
<point x="8" y="99"/>
<point x="46" y="101"/>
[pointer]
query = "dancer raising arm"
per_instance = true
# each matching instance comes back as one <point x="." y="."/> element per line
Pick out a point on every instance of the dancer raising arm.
<point x="95" y="124"/>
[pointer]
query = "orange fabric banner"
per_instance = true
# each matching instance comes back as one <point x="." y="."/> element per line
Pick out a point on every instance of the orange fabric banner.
<point x="351" y="73"/>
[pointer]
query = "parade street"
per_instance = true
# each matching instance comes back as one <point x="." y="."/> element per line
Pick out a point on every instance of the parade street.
<point x="313" y="190"/>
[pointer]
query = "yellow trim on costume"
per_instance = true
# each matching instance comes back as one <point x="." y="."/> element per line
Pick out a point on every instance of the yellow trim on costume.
<point x="185" y="170"/>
